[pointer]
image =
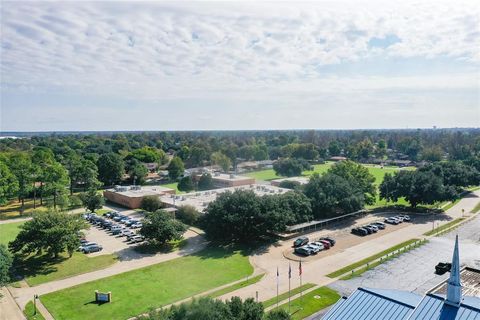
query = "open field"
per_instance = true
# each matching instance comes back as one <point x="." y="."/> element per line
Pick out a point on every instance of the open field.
<point x="41" y="269"/>
<point x="9" y="231"/>
<point x="311" y="302"/>
<point x="137" y="291"/>
<point x="12" y="209"/>
<point x="174" y="186"/>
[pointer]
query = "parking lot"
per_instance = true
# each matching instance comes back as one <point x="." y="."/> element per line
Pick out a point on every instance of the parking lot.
<point x="414" y="270"/>
<point x="345" y="239"/>
<point x="109" y="242"/>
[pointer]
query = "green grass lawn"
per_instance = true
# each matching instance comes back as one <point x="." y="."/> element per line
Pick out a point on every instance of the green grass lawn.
<point x="9" y="231"/>
<point x="476" y="208"/>
<point x="137" y="291"/>
<point x="174" y="186"/>
<point x="29" y="312"/>
<point x="41" y="269"/>
<point x="311" y="302"/>
<point x="283" y="296"/>
<point x="242" y="284"/>
<point x="360" y="263"/>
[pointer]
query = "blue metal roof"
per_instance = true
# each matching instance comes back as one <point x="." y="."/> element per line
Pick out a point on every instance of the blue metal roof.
<point x="433" y="307"/>
<point x="369" y="304"/>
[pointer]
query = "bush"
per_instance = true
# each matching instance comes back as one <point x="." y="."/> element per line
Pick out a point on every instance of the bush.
<point x="288" y="184"/>
<point x="75" y="201"/>
<point x="188" y="214"/>
<point x="186" y="184"/>
<point x="151" y="203"/>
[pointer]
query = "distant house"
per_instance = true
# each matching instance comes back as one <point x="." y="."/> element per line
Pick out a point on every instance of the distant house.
<point x="151" y="166"/>
<point x="337" y="158"/>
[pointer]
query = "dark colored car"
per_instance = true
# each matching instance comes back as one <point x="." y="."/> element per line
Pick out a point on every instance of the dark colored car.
<point x="442" y="268"/>
<point x="303" y="251"/>
<point x="119" y="217"/>
<point x="92" y="248"/>
<point x="300" y="242"/>
<point x="379" y="225"/>
<point x="329" y="239"/>
<point x="360" y="231"/>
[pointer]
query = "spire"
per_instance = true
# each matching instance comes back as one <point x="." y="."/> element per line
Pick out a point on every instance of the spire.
<point x="454" y="288"/>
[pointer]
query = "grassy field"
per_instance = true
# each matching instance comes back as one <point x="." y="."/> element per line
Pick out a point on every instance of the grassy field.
<point x="311" y="302"/>
<point x="242" y="284"/>
<point x="40" y="269"/>
<point x="444" y="227"/>
<point x="173" y="185"/>
<point x="9" y="231"/>
<point x="360" y="263"/>
<point x="137" y="291"/>
<point x="12" y="209"/>
<point x="476" y="208"/>
<point x="284" y="295"/>
<point x="29" y="312"/>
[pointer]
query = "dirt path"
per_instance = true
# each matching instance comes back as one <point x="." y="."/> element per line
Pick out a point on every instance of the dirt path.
<point x="195" y="243"/>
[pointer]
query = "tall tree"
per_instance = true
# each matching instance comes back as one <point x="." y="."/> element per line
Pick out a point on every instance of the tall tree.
<point x="56" y="181"/>
<point x="8" y="184"/>
<point x="221" y="160"/>
<point x="160" y="227"/>
<point x="186" y="184"/>
<point x="110" y="168"/>
<point x="175" y="168"/>
<point x="51" y="231"/>
<point x="92" y="200"/>
<point x="21" y="166"/>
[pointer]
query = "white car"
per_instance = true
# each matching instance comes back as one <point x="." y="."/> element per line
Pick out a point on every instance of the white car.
<point x="318" y="244"/>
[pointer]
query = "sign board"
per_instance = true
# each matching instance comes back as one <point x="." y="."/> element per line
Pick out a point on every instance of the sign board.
<point x="103" y="297"/>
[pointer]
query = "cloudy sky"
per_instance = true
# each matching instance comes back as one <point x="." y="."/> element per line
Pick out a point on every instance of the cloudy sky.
<point x="239" y="65"/>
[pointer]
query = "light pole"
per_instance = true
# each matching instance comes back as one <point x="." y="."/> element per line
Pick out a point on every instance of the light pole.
<point x="35" y="297"/>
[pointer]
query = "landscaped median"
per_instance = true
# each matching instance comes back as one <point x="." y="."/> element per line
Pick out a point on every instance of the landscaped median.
<point x="445" y="227"/>
<point x="137" y="291"/>
<point x="283" y="296"/>
<point x="30" y="312"/>
<point x="385" y="254"/>
<point x="310" y="303"/>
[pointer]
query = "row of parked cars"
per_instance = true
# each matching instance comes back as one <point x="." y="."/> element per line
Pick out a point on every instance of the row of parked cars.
<point x="369" y="229"/>
<point x="305" y="248"/>
<point x="118" y="225"/>
<point x="89" y="247"/>
<point x="398" y="219"/>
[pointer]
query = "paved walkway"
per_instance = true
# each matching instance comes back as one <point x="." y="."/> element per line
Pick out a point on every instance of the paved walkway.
<point x="8" y="308"/>
<point x="195" y="243"/>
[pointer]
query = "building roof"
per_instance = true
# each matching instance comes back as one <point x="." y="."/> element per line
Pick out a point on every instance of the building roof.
<point x="230" y="177"/>
<point x="470" y="279"/>
<point x="301" y="180"/>
<point x="434" y="307"/>
<point x="141" y="191"/>
<point x="369" y="304"/>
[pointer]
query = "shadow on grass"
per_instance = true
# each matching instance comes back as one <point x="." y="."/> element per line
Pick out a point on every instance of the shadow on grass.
<point x="154" y="248"/>
<point x="33" y="265"/>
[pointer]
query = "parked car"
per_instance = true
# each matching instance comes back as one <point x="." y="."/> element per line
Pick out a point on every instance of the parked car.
<point x="303" y="251"/>
<point x="405" y="217"/>
<point x="373" y="227"/>
<point x="360" y="231"/>
<point x="127" y="233"/>
<point x="83" y="241"/>
<point x="326" y="244"/>
<point x="119" y="217"/>
<point x="117" y="231"/>
<point x="379" y="225"/>
<point x="137" y="238"/>
<point x="313" y="248"/>
<point x="131" y="235"/>
<point x="443" y="267"/>
<point x="87" y="244"/>
<point x="329" y="239"/>
<point x="300" y="242"/>
<point x="124" y="220"/>
<point x="136" y="225"/>
<point x="128" y="223"/>
<point x="319" y="244"/>
<point x="93" y="248"/>
<point x="391" y="220"/>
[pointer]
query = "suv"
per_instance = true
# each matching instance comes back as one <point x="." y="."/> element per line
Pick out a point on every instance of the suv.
<point x="379" y="225"/>
<point x="360" y="231"/>
<point x="303" y="251"/>
<point x="392" y="220"/>
<point x="137" y="238"/>
<point x="329" y="239"/>
<point x="319" y="244"/>
<point x="300" y="242"/>
<point x="313" y="248"/>
<point x="92" y="248"/>
<point x="405" y="217"/>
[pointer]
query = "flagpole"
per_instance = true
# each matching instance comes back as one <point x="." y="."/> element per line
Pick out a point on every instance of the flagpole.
<point x="301" y="294"/>
<point x="277" y="286"/>
<point x="289" y="276"/>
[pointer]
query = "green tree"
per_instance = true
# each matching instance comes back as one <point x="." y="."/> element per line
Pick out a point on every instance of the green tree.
<point x="42" y="159"/>
<point x="288" y="167"/>
<point x="51" y="231"/>
<point x="92" y="200"/>
<point x="188" y="214"/>
<point x="332" y="195"/>
<point x="148" y="155"/>
<point x="221" y="160"/>
<point x="186" y="184"/>
<point x="159" y="227"/>
<point x="432" y="154"/>
<point x="280" y="314"/>
<point x="56" y="181"/>
<point x="175" y="168"/>
<point x="110" y="168"/>
<point x="358" y="177"/>
<point x="205" y="182"/>
<point x="20" y="165"/>
<point x="6" y="261"/>
<point x="151" y="203"/>
<point x="8" y="184"/>
<point x="138" y="172"/>
<point x="289" y="184"/>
